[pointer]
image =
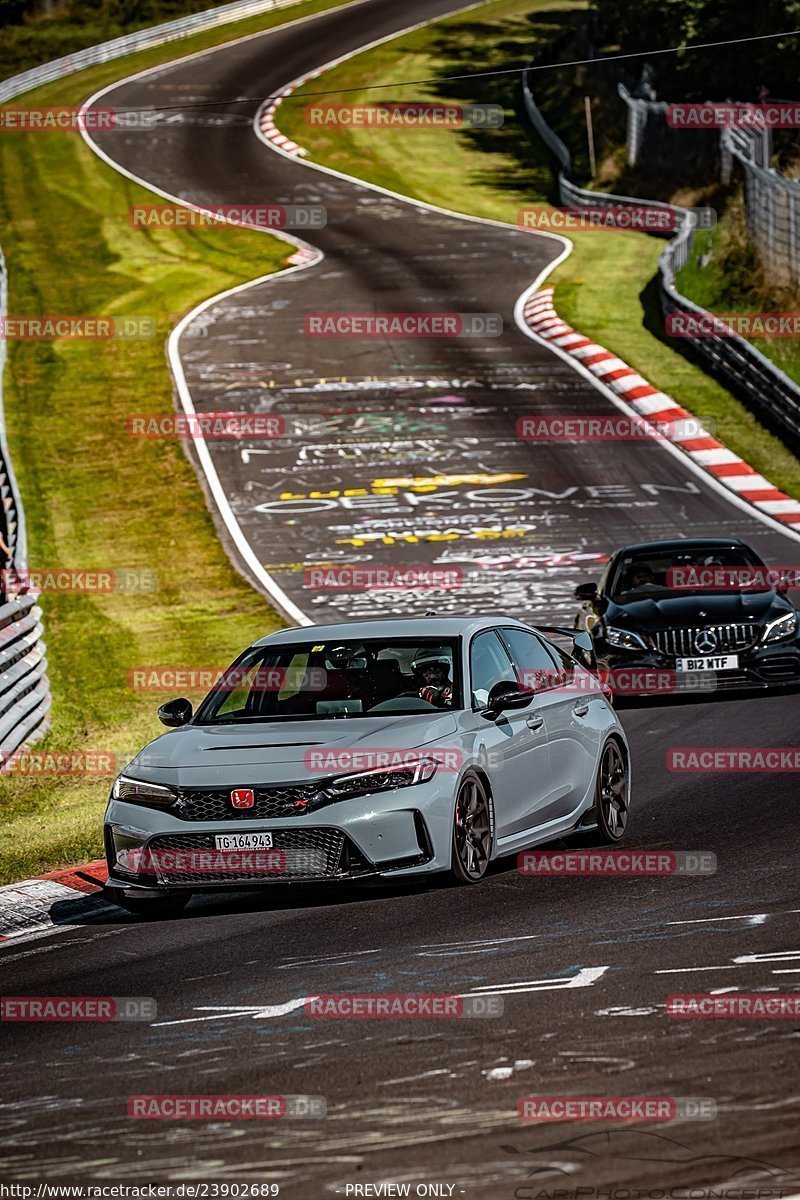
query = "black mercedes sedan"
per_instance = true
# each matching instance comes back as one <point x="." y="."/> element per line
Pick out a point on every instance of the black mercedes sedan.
<point x="680" y="609"/>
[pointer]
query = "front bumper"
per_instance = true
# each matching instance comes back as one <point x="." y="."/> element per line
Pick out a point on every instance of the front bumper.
<point x="762" y="666"/>
<point x="406" y="833"/>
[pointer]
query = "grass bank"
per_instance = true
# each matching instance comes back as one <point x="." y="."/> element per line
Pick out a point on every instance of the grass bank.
<point x="95" y="497"/>
<point x="32" y="40"/>
<point x="725" y="276"/>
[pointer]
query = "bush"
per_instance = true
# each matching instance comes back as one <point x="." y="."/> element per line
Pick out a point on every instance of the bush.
<point x="734" y="72"/>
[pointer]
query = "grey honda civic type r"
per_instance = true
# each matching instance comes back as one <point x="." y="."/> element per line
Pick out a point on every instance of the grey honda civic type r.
<point x="383" y="749"/>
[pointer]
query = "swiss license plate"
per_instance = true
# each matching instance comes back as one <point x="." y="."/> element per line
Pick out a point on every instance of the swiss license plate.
<point x="709" y="662"/>
<point x="243" y="841"/>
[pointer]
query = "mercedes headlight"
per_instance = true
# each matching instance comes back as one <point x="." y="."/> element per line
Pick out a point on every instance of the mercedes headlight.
<point x="385" y="780"/>
<point x="781" y="628"/>
<point x="624" y="638"/>
<point x="139" y="791"/>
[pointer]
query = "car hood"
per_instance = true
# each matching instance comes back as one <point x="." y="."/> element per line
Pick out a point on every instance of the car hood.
<point x="697" y="609"/>
<point x="209" y="755"/>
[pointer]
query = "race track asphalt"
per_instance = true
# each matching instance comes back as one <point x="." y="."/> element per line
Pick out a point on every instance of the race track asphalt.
<point x="413" y="1101"/>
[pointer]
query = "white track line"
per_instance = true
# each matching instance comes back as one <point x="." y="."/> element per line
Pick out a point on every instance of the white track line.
<point x="314" y="257"/>
<point x="689" y="463"/>
<point x="731" y="471"/>
<point x="270" y="585"/>
<point x="265" y="117"/>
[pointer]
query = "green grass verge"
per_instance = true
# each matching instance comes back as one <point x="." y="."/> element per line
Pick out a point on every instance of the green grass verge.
<point x="95" y="497"/>
<point x="725" y="276"/>
<point x="41" y="38"/>
<point x="605" y="287"/>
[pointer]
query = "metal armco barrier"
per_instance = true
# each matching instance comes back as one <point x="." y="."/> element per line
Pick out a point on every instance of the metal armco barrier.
<point x="12" y="519"/>
<point x="772" y="202"/>
<point x="143" y="39"/>
<point x="24" y="690"/>
<point x="738" y="365"/>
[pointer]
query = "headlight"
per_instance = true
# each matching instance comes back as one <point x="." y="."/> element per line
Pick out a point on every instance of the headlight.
<point x="138" y="791"/>
<point x="781" y="628"/>
<point x="624" y="638"/>
<point x="367" y="782"/>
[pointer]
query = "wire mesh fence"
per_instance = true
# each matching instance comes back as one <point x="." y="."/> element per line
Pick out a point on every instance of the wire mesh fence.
<point x="772" y="202"/>
<point x="735" y="362"/>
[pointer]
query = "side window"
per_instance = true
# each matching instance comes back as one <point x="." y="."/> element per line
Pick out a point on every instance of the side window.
<point x="536" y="668"/>
<point x="565" y="662"/>
<point x="239" y="684"/>
<point x="488" y="664"/>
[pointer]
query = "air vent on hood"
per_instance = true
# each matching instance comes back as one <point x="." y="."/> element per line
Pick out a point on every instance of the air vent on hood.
<point x="259" y="746"/>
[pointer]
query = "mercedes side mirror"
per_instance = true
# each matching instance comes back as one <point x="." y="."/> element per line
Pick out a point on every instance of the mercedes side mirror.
<point x="585" y="591"/>
<point x="175" y="713"/>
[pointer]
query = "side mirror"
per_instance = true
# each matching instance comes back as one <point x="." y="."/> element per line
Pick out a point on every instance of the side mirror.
<point x="175" y="713"/>
<point x="583" y="646"/>
<point x="585" y="591"/>
<point x="505" y="695"/>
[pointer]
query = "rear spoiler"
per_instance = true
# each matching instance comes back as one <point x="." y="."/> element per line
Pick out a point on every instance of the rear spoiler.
<point x="584" y="648"/>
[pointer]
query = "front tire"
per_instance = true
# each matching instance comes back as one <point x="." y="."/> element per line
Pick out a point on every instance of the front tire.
<point x="157" y="907"/>
<point x="472" y="831"/>
<point x="612" y="793"/>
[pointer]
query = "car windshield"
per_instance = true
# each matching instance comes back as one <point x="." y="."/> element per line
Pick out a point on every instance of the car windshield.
<point x="680" y="571"/>
<point x="358" y="678"/>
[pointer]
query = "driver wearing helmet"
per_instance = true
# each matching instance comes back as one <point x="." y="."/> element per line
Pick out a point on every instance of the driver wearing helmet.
<point x="437" y="687"/>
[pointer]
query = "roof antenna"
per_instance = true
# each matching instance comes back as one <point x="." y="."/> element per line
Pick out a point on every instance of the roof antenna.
<point x="431" y="613"/>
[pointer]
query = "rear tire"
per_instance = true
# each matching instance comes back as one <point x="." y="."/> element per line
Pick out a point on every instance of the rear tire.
<point x="157" y="907"/>
<point x="612" y="793"/>
<point x="472" y="831"/>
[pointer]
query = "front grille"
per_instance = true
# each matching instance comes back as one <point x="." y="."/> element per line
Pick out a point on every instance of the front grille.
<point x="308" y="854"/>
<point x="730" y="639"/>
<point x="215" y="805"/>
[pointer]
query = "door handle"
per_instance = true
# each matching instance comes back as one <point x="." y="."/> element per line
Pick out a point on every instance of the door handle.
<point x="534" y="721"/>
<point x="580" y="708"/>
